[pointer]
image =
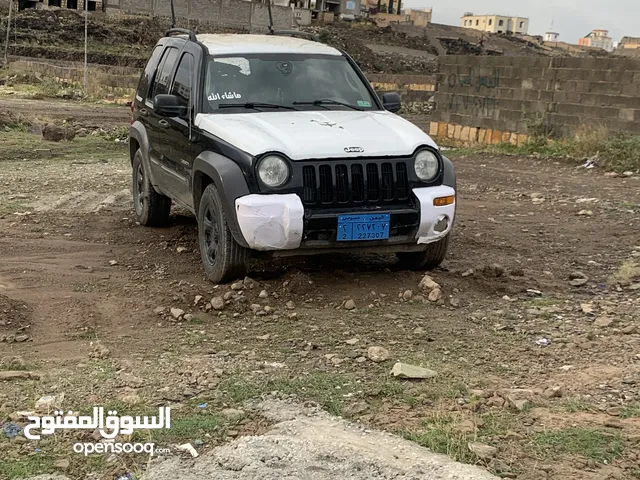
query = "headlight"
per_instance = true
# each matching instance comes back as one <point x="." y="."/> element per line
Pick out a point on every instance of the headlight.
<point x="426" y="165"/>
<point x="273" y="171"/>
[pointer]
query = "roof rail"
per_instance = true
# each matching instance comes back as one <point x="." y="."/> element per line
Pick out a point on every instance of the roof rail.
<point x="296" y="33"/>
<point x="182" y="31"/>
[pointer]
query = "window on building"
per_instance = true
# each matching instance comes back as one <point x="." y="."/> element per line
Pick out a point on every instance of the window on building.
<point x="490" y="21"/>
<point x="521" y="24"/>
<point x="163" y="74"/>
<point x="183" y="81"/>
<point x="500" y="23"/>
<point x="477" y="22"/>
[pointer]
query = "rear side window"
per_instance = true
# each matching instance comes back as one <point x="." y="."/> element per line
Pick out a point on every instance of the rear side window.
<point x="184" y="80"/>
<point x="152" y="64"/>
<point x="163" y="75"/>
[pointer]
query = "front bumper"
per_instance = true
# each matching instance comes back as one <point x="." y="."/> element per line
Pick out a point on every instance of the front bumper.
<point x="280" y="222"/>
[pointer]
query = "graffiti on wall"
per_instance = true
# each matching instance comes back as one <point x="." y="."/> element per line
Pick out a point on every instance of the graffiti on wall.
<point x="471" y="105"/>
<point x="474" y="80"/>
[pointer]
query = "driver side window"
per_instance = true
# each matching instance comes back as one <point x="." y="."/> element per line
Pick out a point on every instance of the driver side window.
<point x="183" y="82"/>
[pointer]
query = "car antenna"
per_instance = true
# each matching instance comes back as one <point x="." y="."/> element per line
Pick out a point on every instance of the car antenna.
<point x="271" y="32"/>
<point x="173" y="16"/>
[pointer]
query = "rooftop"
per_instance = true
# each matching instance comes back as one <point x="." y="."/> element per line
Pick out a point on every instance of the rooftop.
<point x="229" y="44"/>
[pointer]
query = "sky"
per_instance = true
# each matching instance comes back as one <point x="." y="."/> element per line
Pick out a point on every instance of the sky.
<point x="571" y="18"/>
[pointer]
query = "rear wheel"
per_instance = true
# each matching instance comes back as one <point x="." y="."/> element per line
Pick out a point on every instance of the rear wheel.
<point x="428" y="259"/>
<point x="223" y="258"/>
<point x="152" y="209"/>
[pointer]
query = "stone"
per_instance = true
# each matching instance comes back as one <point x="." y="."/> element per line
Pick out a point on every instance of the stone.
<point x="177" y="313"/>
<point x="233" y="413"/>
<point x="454" y="302"/>
<point x="631" y="329"/>
<point x="578" y="282"/>
<point x="237" y="286"/>
<point x="264" y="294"/>
<point x="518" y="402"/>
<point x="585" y="213"/>
<point x="255" y="308"/>
<point x="482" y="451"/>
<point x="378" y="354"/>
<point x="217" y="303"/>
<point x="494" y="270"/>
<point x="435" y="295"/>
<point x="427" y="284"/>
<point x="159" y="310"/>
<point x="49" y="403"/>
<point x="61" y="464"/>
<point x="130" y="398"/>
<point x="113" y="262"/>
<point x="53" y="133"/>
<point x="21" y="338"/>
<point x="349" y="304"/>
<point x="197" y="300"/>
<point x="554" y="392"/>
<point x="181" y="249"/>
<point x="407" y="295"/>
<point x="100" y="351"/>
<point x="603" y="322"/>
<point x="352" y="341"/>
<point x="406" y="370"/>
<point x="466" y="426"/>
<point x="269" y="309"/>
<point x="468" y="273"/>
<point x="290" y="305"/>
<point x="575" y="275"/>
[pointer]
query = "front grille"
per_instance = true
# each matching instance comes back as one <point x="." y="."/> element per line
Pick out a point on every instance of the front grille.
<point x="355" y="183"/>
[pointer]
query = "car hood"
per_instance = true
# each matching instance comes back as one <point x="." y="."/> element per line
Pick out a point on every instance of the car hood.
<point x="315" y="134"/>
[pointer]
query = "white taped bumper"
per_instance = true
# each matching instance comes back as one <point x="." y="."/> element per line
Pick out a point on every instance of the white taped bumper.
<point x="432" y="218"/>
<point x="271" y="222"/>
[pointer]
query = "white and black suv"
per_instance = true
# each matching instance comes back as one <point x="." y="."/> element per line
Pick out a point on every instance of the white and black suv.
<point x="280" y="144"/>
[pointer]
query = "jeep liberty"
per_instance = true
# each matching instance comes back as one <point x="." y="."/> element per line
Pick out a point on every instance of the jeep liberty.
<point x="280" y="144"/>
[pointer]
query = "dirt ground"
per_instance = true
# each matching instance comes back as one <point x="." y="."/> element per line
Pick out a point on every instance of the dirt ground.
<point x="536" y="340"/>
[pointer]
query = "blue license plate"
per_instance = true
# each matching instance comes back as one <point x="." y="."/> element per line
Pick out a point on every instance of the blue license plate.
<point x="363" y="227"/>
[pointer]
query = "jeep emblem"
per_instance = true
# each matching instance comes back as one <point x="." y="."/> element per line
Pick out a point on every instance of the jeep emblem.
<point x="354" y="149"/>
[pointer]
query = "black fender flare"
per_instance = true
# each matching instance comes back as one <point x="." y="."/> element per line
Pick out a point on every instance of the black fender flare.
<point x="138" y="135"/>
<point x="229" y="181"/>
<point x="449" y="178"/>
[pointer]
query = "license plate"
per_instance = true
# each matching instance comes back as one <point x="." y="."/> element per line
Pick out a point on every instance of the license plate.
<point x="363" y="227"/>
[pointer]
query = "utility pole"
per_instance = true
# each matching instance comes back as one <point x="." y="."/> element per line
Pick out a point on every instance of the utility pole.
<point x="6" y="45"/>
<point x="86" y="22"/>
<point x="399" y="11"/>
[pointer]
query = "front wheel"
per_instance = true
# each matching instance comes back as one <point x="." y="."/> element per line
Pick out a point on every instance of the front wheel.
<point x="428" y="259"/>
<point x="223" y="258"/>
<point x="152" y="208"/>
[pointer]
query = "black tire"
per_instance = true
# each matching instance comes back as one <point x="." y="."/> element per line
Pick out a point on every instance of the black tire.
<point x="152" y="209"/>
<point x="427" y="259"/>
<point x="223" y="258"/>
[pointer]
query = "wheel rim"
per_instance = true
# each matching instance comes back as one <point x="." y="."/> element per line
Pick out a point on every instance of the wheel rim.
<point x="138" y="189"/>
<point x="211" y="234"/>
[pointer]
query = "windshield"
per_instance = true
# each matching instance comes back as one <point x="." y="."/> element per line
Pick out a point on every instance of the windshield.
<point x="267" y="82"/>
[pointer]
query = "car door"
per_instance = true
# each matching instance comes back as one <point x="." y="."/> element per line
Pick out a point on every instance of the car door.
<point x="157" y="126"/>
<point x="180" y="154"/>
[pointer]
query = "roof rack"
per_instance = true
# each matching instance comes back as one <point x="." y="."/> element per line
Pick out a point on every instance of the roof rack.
<point x="295" y="33"/>
<point x="182" y="31"/>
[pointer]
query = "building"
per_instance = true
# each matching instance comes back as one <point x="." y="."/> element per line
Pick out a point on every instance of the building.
<point x="419" y="17"/>
<point x="629" y="43"/>
<point x="92" y="5"/>
<point x="495" y="23"/>
<point x="597" y="39"/>
<point x="551" y="37"/>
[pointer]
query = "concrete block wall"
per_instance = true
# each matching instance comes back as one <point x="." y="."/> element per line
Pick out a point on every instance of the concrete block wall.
<point x="228" y="13"/>
<point x="498" y="98"/>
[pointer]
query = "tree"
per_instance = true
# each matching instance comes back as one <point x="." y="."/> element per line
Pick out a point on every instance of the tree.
<point x="399" y="7"/>
<point x="390" y="7"/>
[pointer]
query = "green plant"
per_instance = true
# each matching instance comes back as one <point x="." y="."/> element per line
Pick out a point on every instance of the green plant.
<point x="580" y="441"/>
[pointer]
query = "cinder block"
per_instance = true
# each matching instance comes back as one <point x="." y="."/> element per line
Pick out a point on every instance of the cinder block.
<point x="464" y="135"/>
<point x="442" y="130"/>
<point x="457" y="134"/>
<point x="522" y="139"/>
<point x="487" y="137"/>
<point x="473" y="134"/>
<point x="513" y="139"/>
<point x="481" y="133"/>
<point x="450" y="130"/>
<point x="433" y="129"/>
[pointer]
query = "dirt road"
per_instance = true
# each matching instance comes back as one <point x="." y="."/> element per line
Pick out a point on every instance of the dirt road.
<point x="542" y="369"/>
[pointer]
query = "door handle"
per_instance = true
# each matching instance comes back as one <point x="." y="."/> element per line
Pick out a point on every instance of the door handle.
<point x="164" y="124"/>
<point x="143" y="112"/>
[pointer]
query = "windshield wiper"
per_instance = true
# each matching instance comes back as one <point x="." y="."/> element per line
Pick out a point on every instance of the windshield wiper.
<point x="255" y="105"/>
<point x="325" y="101"/>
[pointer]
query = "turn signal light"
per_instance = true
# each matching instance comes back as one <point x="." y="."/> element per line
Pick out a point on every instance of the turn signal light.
<point x="442" y="201"/>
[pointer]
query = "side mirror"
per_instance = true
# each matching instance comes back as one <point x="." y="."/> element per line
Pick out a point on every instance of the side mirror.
<point x="168" y="106"/>
<point x="391" y="102"/>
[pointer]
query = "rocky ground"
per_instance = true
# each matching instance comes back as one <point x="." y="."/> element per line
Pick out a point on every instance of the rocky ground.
<point x="528" y="334"/>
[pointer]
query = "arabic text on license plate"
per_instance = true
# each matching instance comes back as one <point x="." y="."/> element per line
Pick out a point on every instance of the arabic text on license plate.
<point x="363" y="227"/>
